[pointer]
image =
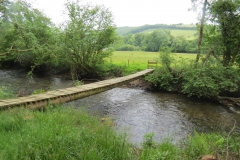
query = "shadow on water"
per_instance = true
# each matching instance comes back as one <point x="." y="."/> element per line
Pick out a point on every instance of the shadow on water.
<point x="17" y="80"/>
<point x="136" y="111"/>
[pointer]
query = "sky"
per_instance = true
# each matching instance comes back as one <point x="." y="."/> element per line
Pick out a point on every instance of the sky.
<point x="130" y="12"/>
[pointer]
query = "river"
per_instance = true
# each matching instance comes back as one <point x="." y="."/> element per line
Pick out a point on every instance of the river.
<point x="135" y="111"/>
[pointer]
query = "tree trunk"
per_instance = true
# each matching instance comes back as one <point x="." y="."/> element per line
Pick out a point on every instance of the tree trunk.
<point x="201" y="31"/>
<point x="235" y="54"/>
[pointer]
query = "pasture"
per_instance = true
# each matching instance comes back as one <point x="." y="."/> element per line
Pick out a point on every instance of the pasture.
<point x="188" y="34"/>
<point x="137" y="60"/>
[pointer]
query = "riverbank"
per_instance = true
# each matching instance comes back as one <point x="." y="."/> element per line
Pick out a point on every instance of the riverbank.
<point x="66" y="133"/>
<point x="133" y="106"/>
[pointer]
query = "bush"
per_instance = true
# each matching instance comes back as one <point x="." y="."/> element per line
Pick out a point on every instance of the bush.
<point x="128" y="47"/>
<point x="208" y="80"/>
<point x="164" y="77"/>
<point x="110" y="70"/>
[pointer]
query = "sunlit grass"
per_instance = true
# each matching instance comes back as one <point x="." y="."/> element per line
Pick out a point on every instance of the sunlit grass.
<point x="134" y="61"/>
<point x="188" y="34"/>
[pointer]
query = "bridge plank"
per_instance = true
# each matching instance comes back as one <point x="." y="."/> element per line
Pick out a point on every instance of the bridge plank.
<point x="68" y="94"/>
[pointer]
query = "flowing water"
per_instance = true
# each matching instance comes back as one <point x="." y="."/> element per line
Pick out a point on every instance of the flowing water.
<point x="138" y="112"/>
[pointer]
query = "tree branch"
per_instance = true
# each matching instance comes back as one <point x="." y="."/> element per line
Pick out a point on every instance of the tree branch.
<point x="216" y="57"/>
<point x="18" y="50"/>
<point x="208" y="55"/>
<point x="3" y="54"/>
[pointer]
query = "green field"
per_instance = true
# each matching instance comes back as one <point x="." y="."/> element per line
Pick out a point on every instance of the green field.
<point x="188" y="34"/>
<point x="137" y="60"/>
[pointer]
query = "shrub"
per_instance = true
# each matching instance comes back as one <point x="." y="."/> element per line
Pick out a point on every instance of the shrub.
<point x="164" y="77"/>
<point x="209" y="80"/>
<point x="128" y="47"/>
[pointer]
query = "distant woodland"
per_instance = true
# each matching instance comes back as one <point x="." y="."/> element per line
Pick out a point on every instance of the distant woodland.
<point x="179" y="37"/>
<point x="133" y="30"/>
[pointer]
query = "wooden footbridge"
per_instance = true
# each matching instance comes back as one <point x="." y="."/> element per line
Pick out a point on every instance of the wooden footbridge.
<point x="69" y="94"/>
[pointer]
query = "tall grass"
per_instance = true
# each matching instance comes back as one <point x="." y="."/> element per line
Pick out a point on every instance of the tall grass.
<point x="59" y="134"/>
<point x="196" y="146"/>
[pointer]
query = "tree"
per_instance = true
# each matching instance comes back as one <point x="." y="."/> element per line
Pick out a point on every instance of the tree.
<point x="226" y="13"/>
<point x="2" y="8"/>
<point x="179" y="44"/>
<point x="157" y="40"/>
<point x="139" y="38"/>
<point x="3" y="16"/>
<point x="221" y="39"/>
<point x="129" y="39"/>
<point x="201" y="29"/>
<point x="26" y="37"/>
<point x="87" y="36"/>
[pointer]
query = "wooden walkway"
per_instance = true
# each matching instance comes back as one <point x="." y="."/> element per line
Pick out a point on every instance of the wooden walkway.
<point x="69" y="94"/>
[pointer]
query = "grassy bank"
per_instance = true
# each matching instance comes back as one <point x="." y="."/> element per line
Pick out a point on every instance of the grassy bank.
<point x="67" y="133"/>
<point x="59" y="134"/>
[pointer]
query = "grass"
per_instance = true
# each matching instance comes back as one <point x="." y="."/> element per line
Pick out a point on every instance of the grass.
<point x="188" y="34"/>
<point x="134" y="61"/>
<point x="66" y="133"/>
<point x="194" y="147"/>
<point x="59" y="134"/>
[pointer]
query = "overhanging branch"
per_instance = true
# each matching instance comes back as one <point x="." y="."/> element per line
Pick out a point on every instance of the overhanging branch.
<point x="18" y="50"/>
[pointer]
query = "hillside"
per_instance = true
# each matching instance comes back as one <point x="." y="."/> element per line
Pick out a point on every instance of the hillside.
<point x="188" y="34"/>
<point x="133" y="30"/>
